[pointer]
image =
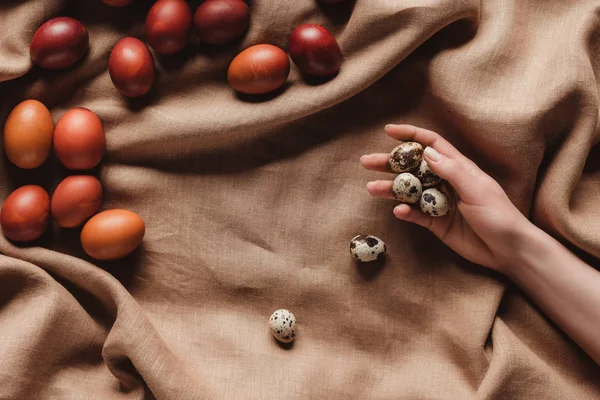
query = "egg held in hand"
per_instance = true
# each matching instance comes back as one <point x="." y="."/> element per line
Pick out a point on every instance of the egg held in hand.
<point x="406" y="157"/>
<point x="28" y="134"/>
<point x="426" y="175"/>
<point x="434" y="202"/>
<point x="407" y="188"/>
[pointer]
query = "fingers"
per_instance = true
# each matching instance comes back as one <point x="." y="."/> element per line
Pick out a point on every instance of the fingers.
<point x="462" y="176"/>
<point x="376" y="162"/>
<point x="381" y="189"/>
<point x="445" y="160"/>
<point x="469" y="182"/>
<point x="407" y="213"/>
<point x="423" y="136"/>
<point x="380" y="161"/>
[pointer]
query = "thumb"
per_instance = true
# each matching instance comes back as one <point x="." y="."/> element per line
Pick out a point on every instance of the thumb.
<point x="460" y="174"/>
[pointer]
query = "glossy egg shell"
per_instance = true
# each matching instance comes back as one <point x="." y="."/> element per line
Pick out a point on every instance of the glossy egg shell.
<point x="315" y="51"/>
<point x="59" y="43"/>
<point x="28" y="133"/>
<point x="259" y="69"/>
<point x="168" y="25"/>
<point x="24" y="214"/>
<point x="75" y="199"/>
<point x="117" y="3"/>
<point x="79" y="140"/>
<point x="112" y="234"/>
<point x="221" y="21"/>
<point x="131" y="67"/>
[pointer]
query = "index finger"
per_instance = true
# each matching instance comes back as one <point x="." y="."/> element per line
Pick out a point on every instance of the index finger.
<point x="424" y="136"/>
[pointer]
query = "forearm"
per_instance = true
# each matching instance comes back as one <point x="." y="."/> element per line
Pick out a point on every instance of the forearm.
<point x="562" y="285"/>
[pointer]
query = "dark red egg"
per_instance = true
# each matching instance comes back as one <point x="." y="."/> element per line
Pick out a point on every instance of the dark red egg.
<point x="24" y="214"/>
<point x="315" y="50"/>
<point x="75" y="199"/>
<point x="168" y="25"/>
<point x="221" y="21"/>
<point x="259" y="69"/>
<point x="117" y="3"/>
<point x="59" y="43"/>
<point x="131" y="67"/>
<point x="79" y="140"/>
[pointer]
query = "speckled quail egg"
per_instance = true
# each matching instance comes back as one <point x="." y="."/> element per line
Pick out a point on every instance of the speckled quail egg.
<point x="434" y="202"/>
<point x="367" y="248"/>
<point x="283" y="325"/>
<point x="427" y="177"/>
<point x="407" y="188"/>
<point x="406" y="157"/>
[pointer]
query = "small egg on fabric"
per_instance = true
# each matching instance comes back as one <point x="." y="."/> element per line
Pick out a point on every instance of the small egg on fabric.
<point x="406" y="157"/>
<point x="407" y="188"/>
<point x="283" y="325"/>
<point x="427" y="177"/>
<point x="434" y="202"/>
<point x="367" y="248"/>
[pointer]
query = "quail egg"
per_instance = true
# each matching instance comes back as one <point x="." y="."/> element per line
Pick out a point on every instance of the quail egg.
<point x="406" y="157"/>
<point x="407" y="188"/>
<point x="283" y="325"/>
<point x="434" y="202"/>
<point x="427" y="177"/>
<point x="367" y="248"/>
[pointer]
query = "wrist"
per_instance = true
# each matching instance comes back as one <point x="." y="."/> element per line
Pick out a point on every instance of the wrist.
<point x="532" y="245"/>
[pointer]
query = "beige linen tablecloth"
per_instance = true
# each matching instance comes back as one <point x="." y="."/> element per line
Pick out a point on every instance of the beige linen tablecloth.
<point x="250" y="206"/>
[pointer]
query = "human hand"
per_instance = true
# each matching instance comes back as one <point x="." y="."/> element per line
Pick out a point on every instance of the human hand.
<point x="483" y="225"/>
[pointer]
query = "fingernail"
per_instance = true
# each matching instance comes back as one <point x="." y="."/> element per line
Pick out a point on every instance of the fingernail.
<point x="370" y="185"/>
<point x="363" y="157"/>
<point x="432" y="154"/>
<point x="388" y="126"/>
